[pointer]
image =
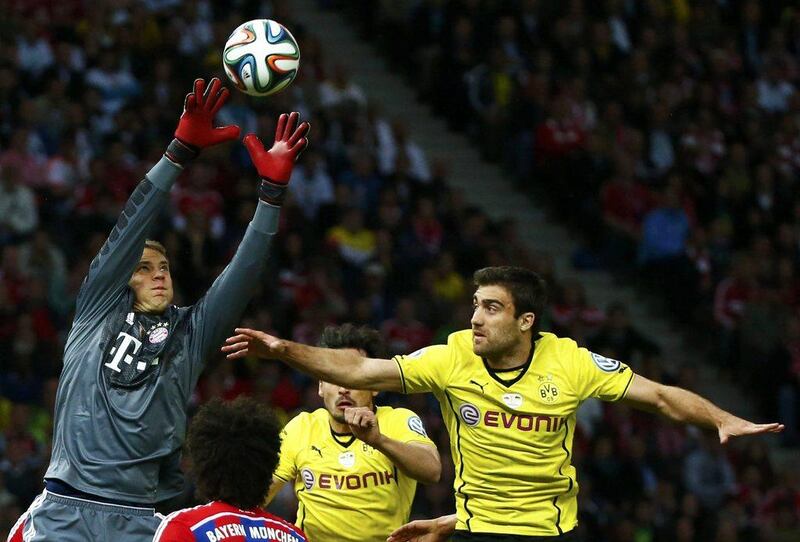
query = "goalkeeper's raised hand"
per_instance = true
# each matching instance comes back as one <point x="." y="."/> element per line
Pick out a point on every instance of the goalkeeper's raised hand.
<point x="196" y="129"/>
<point x="275" y="165"/>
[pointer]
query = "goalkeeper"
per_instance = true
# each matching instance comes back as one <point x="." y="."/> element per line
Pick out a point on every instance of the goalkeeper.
<point x="132" y="358"/>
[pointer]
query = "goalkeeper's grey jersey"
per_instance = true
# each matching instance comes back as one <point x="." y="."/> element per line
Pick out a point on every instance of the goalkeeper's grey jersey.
<point x="120" y="415"/>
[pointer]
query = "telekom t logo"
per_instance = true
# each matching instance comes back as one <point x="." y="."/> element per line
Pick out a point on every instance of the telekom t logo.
<point x="120" y="352"/>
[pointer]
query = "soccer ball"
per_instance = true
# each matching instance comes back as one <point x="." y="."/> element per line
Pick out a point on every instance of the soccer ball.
<point x="261" y="57"/>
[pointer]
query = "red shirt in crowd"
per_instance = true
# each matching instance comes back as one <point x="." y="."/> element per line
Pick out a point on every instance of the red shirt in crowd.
<point x="626" y="203"/>
<point x="559" y="137"/>
<point x="730" y="300"/>
<point x="406" y="336"/>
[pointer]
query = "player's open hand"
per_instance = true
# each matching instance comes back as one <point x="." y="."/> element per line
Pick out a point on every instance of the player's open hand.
<point x="425" y="530"/>
<point x="737" y="427"/>
<point x="249" y="342"/>
<point x="196" y="126"/>
<point x="364" y="424"/>
<point x="276" y="163"/>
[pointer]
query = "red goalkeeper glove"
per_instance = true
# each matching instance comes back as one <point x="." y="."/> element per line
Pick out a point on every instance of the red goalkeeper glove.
<point x="196" y="129"/>
<point x="275" y="165"/>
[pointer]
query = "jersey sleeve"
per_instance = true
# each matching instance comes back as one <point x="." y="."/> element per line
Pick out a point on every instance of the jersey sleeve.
<point x="111" y="268"/>
<point x="172" y="529"/>
<point x="600" y="377"/>
<point x="427" y="369"/>
<point x="216" y="314"/>
<point x="290" y="446"/>
<point x="406" y="426"/>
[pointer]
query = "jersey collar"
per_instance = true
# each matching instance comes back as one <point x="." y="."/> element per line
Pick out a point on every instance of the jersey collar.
<point x="521" y="368"/>
<point x="346" y="439"/>
<point x="342" y="439"/>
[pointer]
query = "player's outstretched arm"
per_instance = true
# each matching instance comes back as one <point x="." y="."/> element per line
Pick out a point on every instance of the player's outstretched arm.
<point x="425" y="530"/>
<point x="417" y="460"/>
<point x="339" y="366"/>
<point x="112" y="267"/>
<point x="684" y="406"/>
<point x="274" y="488"/>
<point x="226" y="299"/>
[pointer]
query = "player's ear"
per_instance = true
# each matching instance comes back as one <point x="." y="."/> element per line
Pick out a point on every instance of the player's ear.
<point x="526" y="321"/>
<point x="374" y="394"/>
<point x="320" y="388"/>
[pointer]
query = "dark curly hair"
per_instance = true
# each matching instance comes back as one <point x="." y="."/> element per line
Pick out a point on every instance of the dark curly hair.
<point x="234" y="449"/>
<point x="350" y="336"/>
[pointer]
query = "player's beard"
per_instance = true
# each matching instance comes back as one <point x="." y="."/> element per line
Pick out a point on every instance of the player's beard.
<point x="494" y="345"/>
<point x="338" y="416"/>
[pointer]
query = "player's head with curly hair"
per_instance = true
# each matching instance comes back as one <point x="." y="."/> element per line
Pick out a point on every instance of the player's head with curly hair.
<point x="234" y="449"/>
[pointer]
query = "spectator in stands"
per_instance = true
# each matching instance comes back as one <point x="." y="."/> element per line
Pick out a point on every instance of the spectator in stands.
<point x="18" y="212"/>
<point x="624" y="205"/>
<point x="773" y="90"/>
<point x="779" y="387"/>
<point x="113" y="80"/>
<point x="404" y="333"/>
<point x="396" y="144"/>
<point x="708" y="474"/>
<point x="25" y="157"/>
<point x="571" y="312"/>
<point x="730" y="300"/>
<point x="339" y="91"/>
<point x="490" y="88"/>
<point x="662" y="251"/>
<point x="619" y="336"/>
<point x="314" y="186"/>
<point x="364" y="183"/>
<point x="352" y="240"/>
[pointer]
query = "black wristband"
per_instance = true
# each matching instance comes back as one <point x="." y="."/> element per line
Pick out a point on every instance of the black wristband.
<point x="271" y="192"/>
<point x="180" y="152"/>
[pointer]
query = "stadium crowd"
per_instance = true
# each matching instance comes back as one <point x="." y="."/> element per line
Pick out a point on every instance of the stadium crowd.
<point x="652" y="117"/>
<point x="665" y="133"/>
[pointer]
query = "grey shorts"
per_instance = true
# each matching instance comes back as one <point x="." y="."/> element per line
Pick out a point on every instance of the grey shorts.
<point x="53" y="518"/>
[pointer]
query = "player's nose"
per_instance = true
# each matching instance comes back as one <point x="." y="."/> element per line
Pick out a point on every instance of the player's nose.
<point x="476" y="320"/>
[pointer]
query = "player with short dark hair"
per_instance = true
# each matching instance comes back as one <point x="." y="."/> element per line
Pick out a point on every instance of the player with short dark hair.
<point x="132" y="358"/>
<point x="527" y="289"/>
<point x="233" y="448"/>
<point x="509" y="397"/>
<point x="354" y="465"/>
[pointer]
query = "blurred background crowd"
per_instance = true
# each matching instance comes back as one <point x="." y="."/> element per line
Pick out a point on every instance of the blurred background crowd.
<point x="663" y="133"/>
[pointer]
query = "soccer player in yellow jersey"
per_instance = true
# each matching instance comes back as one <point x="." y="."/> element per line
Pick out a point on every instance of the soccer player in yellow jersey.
<point x="354" y="466"/>
<point x="508" y="394"/>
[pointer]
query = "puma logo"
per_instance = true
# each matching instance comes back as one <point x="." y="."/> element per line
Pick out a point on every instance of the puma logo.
<point x="481" y="386"/>
<point x="316" y="450"/>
